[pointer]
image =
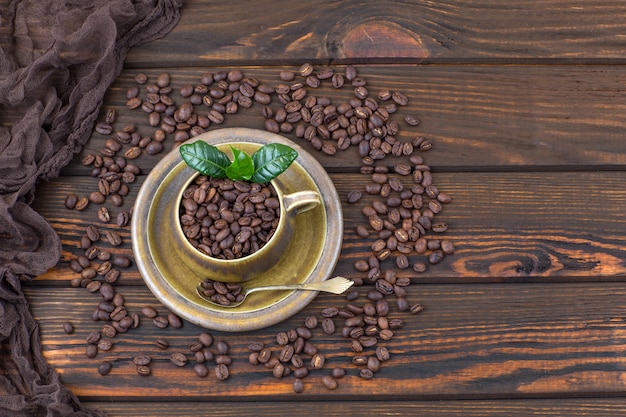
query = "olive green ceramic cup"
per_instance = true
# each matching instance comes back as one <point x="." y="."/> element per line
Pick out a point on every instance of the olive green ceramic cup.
<point x="263" y="260"/>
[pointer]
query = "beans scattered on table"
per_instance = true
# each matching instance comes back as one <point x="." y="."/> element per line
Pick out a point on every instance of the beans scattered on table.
<point x="399" y="201"/>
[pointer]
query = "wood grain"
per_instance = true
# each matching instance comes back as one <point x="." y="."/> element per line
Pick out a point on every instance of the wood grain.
<point x="267" y="32"/>
<point x="572" y="407"/>
<point x="477" y="117"/>
<point x="501" y="341"/>
<point x="548" y="226"/>
<point x="524" y="104"/>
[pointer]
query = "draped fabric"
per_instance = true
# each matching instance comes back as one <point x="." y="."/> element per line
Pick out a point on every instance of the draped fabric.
<point x="57" y="59"/>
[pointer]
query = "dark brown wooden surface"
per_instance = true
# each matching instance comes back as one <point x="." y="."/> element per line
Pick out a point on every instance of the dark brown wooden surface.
<point x="524" y="103"/>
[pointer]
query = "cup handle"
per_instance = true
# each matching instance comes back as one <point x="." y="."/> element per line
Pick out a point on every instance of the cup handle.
<point x="301" y="201"/>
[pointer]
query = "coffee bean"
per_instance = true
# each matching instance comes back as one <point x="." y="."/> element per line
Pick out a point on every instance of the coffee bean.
<point x="160" y="321"/>
<point x="142" y="360"/>
<point x="416" y="308"/>
<point x="105" y="345"/>
<point x="143" y="370"/>
<point x="104" y="368"/>
<point x="328" y="325"/>
<point x="68" y="328"/>
<point x="91" y="351"/>
<point x="122" y="261"/>
<point x="298" y="386"/>
<point x="447" y="247"/>
<point x="81" y="204"/>
<point x="70" y="201"/>
<point x="112" y="276"/>
<point x="149" y="312"/>
<point x="103" y="215"/>
<point x="162" y="344"/>
<point x="178" y="359"/>
<point x="329" y="382"/>
<point x="354" y="196"/>
<point x="103" y="128"/>
<point x="113" y="238"/>
<point x="317" y="361"/>
<point x="221" y="372"/>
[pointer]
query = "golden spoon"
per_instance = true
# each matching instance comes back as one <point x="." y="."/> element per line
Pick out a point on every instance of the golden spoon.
<point x="336" y="285"/>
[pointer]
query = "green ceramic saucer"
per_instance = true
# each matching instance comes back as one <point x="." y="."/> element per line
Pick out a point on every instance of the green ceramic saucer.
<point x="168" y="272"/>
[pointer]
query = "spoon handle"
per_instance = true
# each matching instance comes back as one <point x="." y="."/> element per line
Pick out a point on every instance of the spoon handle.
<point x="335" y="285"/>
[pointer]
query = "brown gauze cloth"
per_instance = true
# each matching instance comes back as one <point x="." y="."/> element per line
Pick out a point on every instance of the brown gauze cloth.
<point x="57" y="59"/>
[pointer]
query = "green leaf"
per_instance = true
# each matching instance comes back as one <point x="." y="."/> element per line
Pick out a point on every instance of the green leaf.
<point x="242" y="166"/>
<point x="272" y="160"/>
<point x="205" y="158"/>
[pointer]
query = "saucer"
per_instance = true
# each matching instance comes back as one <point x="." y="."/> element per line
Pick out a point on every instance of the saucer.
<point x="311" y="257"/>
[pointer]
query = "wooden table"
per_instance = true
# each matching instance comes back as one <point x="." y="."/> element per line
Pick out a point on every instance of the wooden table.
<point x="524" y="105"/>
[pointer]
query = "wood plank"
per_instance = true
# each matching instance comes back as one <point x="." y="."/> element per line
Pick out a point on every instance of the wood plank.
<point x="471" y="341"/>
<point x="571" y="407"/>
<point x="269" y="32"/>
<point x="507" y="226"/>
<point x="477" y="117"/>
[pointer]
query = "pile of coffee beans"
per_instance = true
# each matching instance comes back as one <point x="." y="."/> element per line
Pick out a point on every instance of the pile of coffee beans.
<point x="223" y="293"/>
<point x="229" y="219"/>
<point x="399" y="201"/>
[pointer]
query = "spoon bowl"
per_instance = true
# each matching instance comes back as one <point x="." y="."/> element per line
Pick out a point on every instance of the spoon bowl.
<point x="233" y="294"/>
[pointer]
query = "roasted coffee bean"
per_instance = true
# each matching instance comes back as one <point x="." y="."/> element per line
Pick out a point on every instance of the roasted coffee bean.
<point x="143" y="370"/>
<point x="108" y="331"/>
<point x="317" y="361"/>
<point x="68" y="328"/>
<point x="81" y="204"/>
<point x="221" y="372"/>
<point x="70" y="201"/>
<point x="328" y="325"/>
<point x="178" y="359"/>
<point x="133" y="153"/>
<point x="107" y="291"/>
<point x="329" y="382"/>
<point x="201" y="370"/>
<point x="447" y="247"/>
<point x="362" y="231"/>
<point x="122" y="261"/>
<point x="113" y="238"/>
<point x="256" y="346"/>
<point x="105" y="345"/>
<point x="103" y="128"/>
<point x="149" y="312"/>
<point x="112" y="276"/>
<point x="96" y="197"/>
<point x="416" y="308"/>
<point x="110" y="116"/>
<point x="222" y="347"/>
<point x="104" y="368"/>
<point x="103" y="215"/>
<point x="298" y="386"/>
<point x="435" y="257"/>
<point x="122" y="219"/>
<point x="286" y="353"/>
<point x="117" y="199"/>
<point x="90" y="253"/>
<point x="91" y="351"/>
<point x="402" y="303"/>
<point x="305" y="69"/>
<point x="93" y="337"/>
<point x="160" y="322"/>
<point x="162" y="344"/>
<point x="354" y="196"/>
<point x="174" y="321"/>
<point x="206" y="339"/>
<point x="92" y="233"/>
